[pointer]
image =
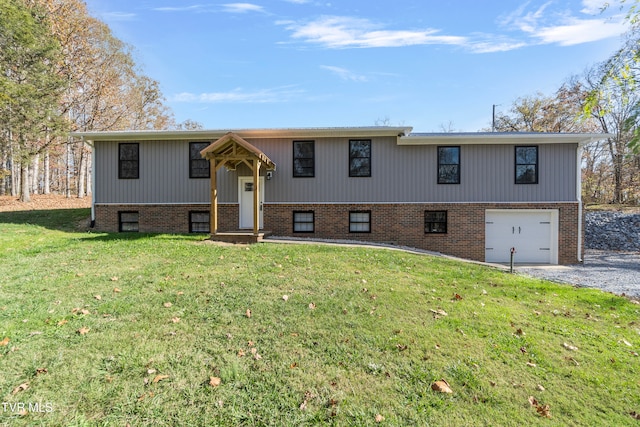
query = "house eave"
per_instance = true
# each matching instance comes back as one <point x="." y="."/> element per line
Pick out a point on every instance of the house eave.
<point x="487" y="138"/>
<point x="163" y="135"/>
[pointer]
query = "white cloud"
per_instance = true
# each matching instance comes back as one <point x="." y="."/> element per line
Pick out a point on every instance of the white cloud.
<point x="242" y="8"/>
<point x="195" y="7"/>
<point x="337" y="32"/>
<point x="592" y="7"/>
<point x="545" y="26"/>
<point x="118" y="16"/>
<point x="577" y="31"/>
<point x="345" y="74"/>
<point x="241" y="96"/>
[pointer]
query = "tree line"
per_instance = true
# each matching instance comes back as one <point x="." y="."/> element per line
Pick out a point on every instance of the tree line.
<point x="64" y="70"/>
<point x="604" y="99"/>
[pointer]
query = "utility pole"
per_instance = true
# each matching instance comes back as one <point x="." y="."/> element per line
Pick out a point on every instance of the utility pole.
<point x="493" y="120"/>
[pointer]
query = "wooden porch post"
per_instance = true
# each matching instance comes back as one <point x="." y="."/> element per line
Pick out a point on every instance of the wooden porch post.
<point x="256" y="196"/>
<point x="214" y="199"/>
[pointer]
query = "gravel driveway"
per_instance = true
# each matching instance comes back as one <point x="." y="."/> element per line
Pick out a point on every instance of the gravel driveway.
<point x="616" y="272"/>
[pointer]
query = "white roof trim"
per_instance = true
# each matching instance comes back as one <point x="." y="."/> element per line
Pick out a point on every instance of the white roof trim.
<point x="485" y="138"/>
<point x="244" y="133"/>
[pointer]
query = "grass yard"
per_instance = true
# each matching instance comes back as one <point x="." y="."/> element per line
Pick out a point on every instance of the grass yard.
<point x="164" y="330"/>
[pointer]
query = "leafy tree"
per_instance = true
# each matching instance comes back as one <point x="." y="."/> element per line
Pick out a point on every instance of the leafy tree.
<point x="30" y="89"/>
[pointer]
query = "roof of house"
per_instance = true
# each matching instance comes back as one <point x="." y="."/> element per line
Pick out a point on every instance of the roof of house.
<point x="403" y="134"/>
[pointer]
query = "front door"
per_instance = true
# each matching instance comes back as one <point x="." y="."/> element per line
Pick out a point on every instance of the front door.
<point x="245" y="198"/>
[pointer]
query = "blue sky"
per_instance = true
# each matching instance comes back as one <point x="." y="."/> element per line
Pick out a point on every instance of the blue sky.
<point x="307" y="63"/>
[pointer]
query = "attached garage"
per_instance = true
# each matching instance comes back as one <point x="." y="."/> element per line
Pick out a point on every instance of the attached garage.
<point x="533" y="233"/>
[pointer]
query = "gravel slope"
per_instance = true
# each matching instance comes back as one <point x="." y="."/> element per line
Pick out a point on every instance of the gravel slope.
<point x="612" y="256"/>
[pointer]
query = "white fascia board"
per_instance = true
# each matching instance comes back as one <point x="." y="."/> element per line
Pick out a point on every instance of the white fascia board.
<point x="352" y="132"/>
<point x="500" y="138"/>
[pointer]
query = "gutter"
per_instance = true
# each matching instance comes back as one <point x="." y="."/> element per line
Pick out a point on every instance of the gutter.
<point x="93" y="180"/>
<point x="579" y="197"/>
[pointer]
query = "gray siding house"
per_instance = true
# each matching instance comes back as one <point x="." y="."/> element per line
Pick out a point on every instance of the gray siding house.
<point x="472" y="195"/>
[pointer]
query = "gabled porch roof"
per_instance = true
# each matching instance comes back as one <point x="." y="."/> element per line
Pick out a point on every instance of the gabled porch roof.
<point x="232" y="150"/>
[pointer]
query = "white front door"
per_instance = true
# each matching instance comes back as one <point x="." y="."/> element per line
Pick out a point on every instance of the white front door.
<point x="245" y="198"/>
<point x="533" y="233"/>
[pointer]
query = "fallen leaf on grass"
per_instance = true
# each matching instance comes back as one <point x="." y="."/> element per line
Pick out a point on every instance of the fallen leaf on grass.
<point x="439" y="312"/>
<point x="41" y="371"/>
<point x="114" y="279"/>
<point x="4" y="342"/>
<point x="116" y="290"/>
<point x="175" y="319"/>
<point x="21" y="387"/>
<point x="569" y="346"/>
<point x="312" y="306"/>
<point x="214" y="381"/>
<point x="159" y="378"/>
<point x="540" y="387"/>
<point x="627" y="343"/>
<point x="285" y="297"/>
<point x="531" y="364"/>
<point x="457" y="297"/>
<point x="441" y="386"/>
<point x="248" y="313"/>
<point x="98" y="297"/>
<point x="167" y="304"/>
<point x="83" y="330"/>
<point x="379" y="418"/>
<point x="303" y="405"/>
<point x="571" y="359"/>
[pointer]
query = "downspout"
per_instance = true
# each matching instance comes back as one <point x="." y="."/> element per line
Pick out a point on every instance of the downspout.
<point x="579" y="197"/>
<point x="93" y="182"/>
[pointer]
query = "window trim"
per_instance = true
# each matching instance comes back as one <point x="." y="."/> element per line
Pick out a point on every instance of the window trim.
<point x="191" y="222"/>
<point x="457" y="181"/>
<point x="360" y="222"/>
<point x="312" y="222"/>
<point x="351" y="173"/>
<point x="516" y="164"/>
<point x="313" y="159"/>
<point x="191" y="160"/>
<point x="430" y="229"/>
<point x="121" y="160"/>
<point x="121" y="222"/>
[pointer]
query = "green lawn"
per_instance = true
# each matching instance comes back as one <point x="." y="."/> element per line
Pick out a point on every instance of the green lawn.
<point x="110" y="329"/>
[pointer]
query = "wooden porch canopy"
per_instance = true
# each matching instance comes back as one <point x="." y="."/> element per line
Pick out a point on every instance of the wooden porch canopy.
<point x="230" y="151"/>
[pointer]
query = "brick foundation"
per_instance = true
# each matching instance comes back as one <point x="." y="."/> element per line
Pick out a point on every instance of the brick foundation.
<point x="398" y="224"/>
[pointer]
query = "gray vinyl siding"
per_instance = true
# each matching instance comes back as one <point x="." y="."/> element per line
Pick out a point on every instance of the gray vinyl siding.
<point x="398" y="174"/>
<point x="164" y="175"/>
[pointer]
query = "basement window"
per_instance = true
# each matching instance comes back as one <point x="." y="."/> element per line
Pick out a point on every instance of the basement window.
<point x="303" y="222"/>
<point x="199" y="222"/>
<point x="435" y="222"/>
<point x="128" y="221"/>
<point x="360" y="222"/>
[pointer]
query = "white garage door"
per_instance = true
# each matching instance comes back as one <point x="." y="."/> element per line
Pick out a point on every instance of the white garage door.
<point x="532" y="232"/>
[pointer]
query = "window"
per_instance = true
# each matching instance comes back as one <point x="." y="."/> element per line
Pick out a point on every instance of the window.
<point x="198" y="167"/>
<point x="128" y="161"/>
<point x="128" y="221"/>
<point x="360" y="158"/>
<point x="360" y="222"/>
<point x="199" y="222"/>
<point x="435" y="222"/>
<point x="303" y="159"/>
<point x="448" y="165"/>
<point x="303" y="222"/>
<point x="527" y="165"/>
